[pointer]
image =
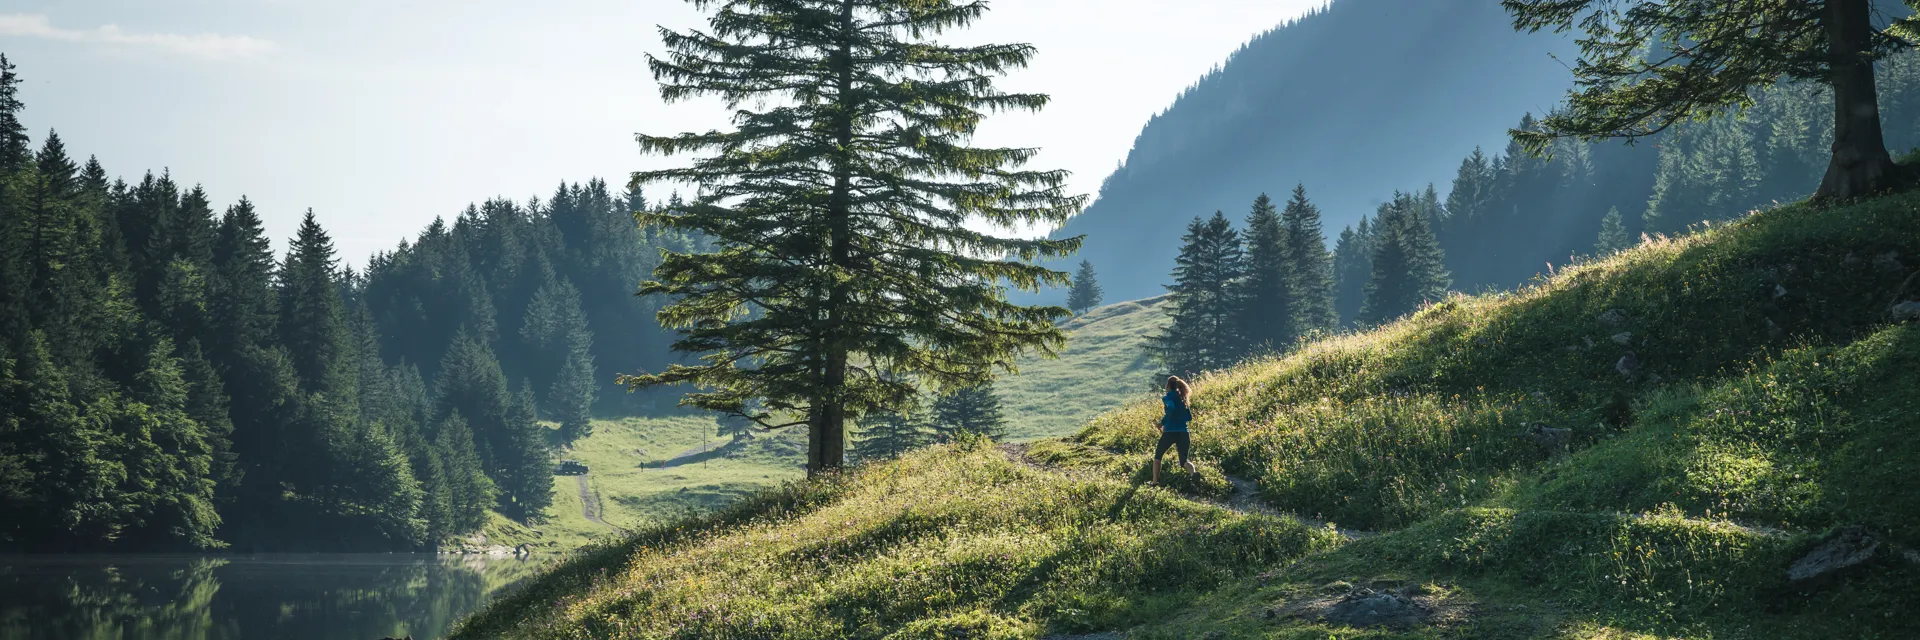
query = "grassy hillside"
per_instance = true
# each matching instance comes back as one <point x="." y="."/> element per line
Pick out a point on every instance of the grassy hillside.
<point x="1104" y="366"/>
<point x="650" y="469"/>
<point x="1635" y="448"/>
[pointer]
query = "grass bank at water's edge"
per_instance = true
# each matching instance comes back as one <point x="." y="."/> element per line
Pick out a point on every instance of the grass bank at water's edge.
<point x="1636" y="447"/>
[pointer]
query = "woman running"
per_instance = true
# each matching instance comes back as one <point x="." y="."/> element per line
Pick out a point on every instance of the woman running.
<point x="1173" y="425"/>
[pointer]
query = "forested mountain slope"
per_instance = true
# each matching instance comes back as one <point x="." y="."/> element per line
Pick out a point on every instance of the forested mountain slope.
<point x="1355" y="101"/>
<point x="1640" y="446"/>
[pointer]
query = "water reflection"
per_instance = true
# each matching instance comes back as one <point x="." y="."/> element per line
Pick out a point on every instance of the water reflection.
<point x="291" y="596"/>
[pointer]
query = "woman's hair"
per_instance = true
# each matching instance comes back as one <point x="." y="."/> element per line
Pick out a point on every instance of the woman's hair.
<point x="1174" y="383"/>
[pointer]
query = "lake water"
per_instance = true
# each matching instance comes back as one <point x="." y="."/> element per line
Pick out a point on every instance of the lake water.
<point x="274" y="596"/>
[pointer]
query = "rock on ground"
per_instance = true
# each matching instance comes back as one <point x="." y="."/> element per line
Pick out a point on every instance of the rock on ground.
<point x="1841" y="550"/>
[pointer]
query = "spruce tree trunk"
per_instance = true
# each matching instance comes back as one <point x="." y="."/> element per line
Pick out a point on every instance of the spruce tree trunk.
<point x="826" y="435"/>
<point x="1860" y="165"/>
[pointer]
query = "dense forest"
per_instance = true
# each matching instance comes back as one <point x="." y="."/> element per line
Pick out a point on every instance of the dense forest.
<point x="168" y="383"/>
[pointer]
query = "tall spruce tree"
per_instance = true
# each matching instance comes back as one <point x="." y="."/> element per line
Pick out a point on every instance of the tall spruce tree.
<point x="241" y="298"/>
<point x="1205" y="306"/>
<point x="1729" y="49"/>
<point x="1312" y="266"/>
<point x="312" y="322"/>
<point x="1408" y="266"/>
<point x="838" y="208"/>
<point x="1266" y="299"/>
<point x="1085" y="294"/>
<point x="974" y="410"/>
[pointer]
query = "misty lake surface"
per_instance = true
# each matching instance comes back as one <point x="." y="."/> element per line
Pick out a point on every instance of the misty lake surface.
<point x="268" y="596"/>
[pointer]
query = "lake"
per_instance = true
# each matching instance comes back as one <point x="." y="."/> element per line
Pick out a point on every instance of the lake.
<point x="277" y="596"/>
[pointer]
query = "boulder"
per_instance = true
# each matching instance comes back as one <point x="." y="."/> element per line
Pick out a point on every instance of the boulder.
<point x="1628" y="365"/>
<point x="1906" y="311"/>
<point x="1369" y="608"/>
<point x="1550" y="439"/>
<point x="1623" y="338"/>
<point x="1779" y="292"/>
<point x="1613" y="317"/>
<point x="1839" y="551"/>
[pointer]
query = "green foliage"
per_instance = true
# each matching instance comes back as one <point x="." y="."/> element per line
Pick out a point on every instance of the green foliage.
<point x="1647" y="66"/>
<point x="838" y="205"/>
<point x="1613" y="235"/>
<point x="1352" y="266"/>
<point x="974" y="410"/>
<point x="1265" y="297"/>
<point x="512" y="445"/>
<point x="1205" y="304"/>
<point x="1312" y="267"/>
<point x="887" y="435"/>
<point x="1085" y="293"/>
<point x="1408" y="266"/>
<point x="555" y="326"/>
<point x="158" y="350"/>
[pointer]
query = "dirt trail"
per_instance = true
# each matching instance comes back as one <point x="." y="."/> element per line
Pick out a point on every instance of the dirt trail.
<point x="1245" y="498"/>
<point x="589" y="507"/>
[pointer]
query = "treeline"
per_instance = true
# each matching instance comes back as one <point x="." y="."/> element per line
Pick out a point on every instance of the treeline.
<point x="1240" y="293"/>
<point x="167" y="383"/>
<point x="1510" y="215"/>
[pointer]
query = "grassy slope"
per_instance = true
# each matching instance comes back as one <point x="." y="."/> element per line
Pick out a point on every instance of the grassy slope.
<point x="1773" y="402"/>
<point x="628" y="462"/>
<point x="1104" y="366"/>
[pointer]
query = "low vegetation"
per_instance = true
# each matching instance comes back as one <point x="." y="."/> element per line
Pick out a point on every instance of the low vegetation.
<point x="1104" y="365"/>
<point x="1636" y="447"/>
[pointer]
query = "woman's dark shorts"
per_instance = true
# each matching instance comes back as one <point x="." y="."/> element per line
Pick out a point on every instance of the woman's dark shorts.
<point x="1179" y="440"/>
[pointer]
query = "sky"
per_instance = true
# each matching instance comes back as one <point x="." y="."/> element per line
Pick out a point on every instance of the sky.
<point x="382" y="115"/>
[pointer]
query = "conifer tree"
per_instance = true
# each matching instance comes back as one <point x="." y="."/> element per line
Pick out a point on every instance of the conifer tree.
<point x="1352" y="266"/>
<point x="1613" y="234"/>
<point x="1205" y="306"/>
<point x="1265" y="297"/>
<point x="557" y="331"/>
<point x="888" y="434"/>
<point x="1408" y="266"/>
<point x="1085" y="294"/>
<point x="312" y="322"/>
<point x="1312" y="266"/>
<point x="241" y="301"/>
<point x="468" y="490"/>
<point x="14" y="150"/>
<point x="838" y="208"/>
<point x="974" y="410"/>
<point x="1733" y="47"/>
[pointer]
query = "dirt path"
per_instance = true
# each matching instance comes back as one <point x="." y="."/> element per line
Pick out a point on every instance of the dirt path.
<point x="1245" y="498"/>
<point x="589" y="507"/>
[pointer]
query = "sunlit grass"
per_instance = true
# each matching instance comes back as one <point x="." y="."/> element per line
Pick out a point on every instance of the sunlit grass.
<point x="1772" y="401"/>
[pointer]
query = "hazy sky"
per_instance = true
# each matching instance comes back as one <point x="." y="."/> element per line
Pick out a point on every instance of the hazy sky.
<point x="382" y="115"/>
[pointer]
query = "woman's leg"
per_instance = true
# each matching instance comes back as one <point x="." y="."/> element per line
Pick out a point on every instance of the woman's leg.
<point x="1160" y="450"/>
<point x="1186" y="444"/>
